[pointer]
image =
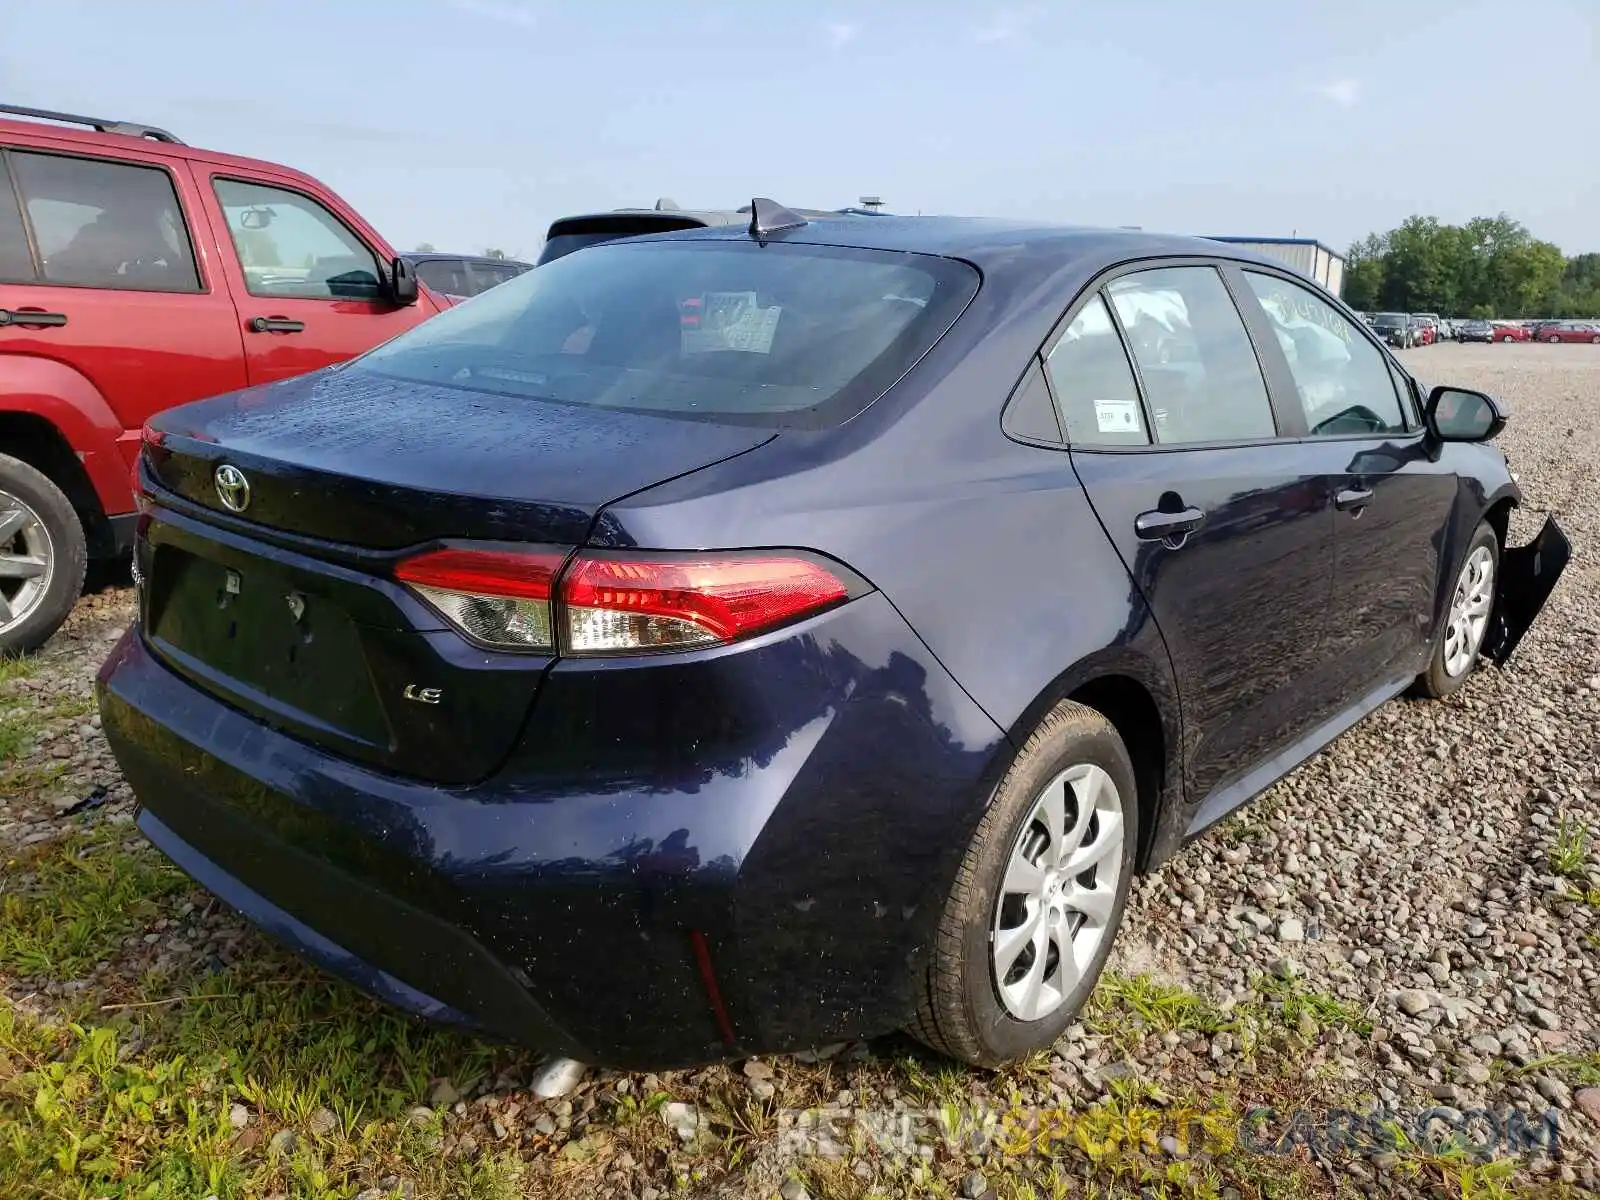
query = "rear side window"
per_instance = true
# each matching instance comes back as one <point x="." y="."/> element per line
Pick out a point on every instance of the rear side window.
<point x="1198" y="366"/>
<point x="16" y="262"/>
<point x="782" y="334"/>
<point x="291" y="246"/>
<point x="486" y="275"/>
<point x="104" y="224"/>
<point x="1093" y="383"/>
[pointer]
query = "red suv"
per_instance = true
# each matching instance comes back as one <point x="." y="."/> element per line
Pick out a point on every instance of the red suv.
<point x="137" y="273"/>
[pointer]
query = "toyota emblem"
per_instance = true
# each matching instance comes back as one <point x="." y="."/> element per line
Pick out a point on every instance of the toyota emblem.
<point x="233" y="489"/>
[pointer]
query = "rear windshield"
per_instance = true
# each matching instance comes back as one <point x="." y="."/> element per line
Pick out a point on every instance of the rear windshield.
<point x="781" y="335"/>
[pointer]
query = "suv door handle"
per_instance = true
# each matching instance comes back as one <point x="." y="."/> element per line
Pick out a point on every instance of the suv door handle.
<point x="31" y="316"/>
<point x="1352" y="499"/>
<point x="275" y="325"/>
<point x="1158" y="526"/>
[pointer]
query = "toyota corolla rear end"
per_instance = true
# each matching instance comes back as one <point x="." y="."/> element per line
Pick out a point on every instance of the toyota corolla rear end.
<point x="400" y="693"/>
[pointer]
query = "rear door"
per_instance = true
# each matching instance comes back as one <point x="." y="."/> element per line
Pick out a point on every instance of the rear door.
<point x="1393" y="499"/>
<point x="108" y="271"/>
<point x="307" y="287"/>
<point x="1225" y="529"/>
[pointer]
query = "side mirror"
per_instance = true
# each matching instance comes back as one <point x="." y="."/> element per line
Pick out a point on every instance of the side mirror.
<point x="402" y="283"/>
<point x="1459" y="415"/>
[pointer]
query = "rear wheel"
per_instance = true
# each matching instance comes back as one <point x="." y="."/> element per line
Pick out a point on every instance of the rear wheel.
<point x="43" y="557"/>
<point x="1460" y="637"/>
<point x="1039" y="897"/>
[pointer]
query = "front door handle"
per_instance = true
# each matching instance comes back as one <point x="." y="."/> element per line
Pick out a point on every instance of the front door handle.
<point x="1159" y="526"/>
<point x="276" y="325"/>
<point x="1352" y="499"/>
<point x="30" y="317"/>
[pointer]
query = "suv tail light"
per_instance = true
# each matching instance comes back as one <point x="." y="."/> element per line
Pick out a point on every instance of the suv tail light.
<point x="625" y="602"/>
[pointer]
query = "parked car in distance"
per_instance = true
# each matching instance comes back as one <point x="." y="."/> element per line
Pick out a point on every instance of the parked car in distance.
<point x="137" y="273"/>
<point x="590" y="229"/>
<point x="1423" y="333"/>
<point x="1569" y="331"/>
<point x="726" y="702"/>
<point x="1510" y="331"/>
<point x="458" y="277"/>
<point x="1395" y="328"/>
<point x="1435" y="323"/>
<point x="1474" y="330"/>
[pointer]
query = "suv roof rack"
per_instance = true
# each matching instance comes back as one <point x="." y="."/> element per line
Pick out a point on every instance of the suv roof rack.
<point x="96" y="123"/>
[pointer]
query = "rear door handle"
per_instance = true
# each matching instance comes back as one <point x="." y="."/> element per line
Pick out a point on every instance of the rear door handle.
<point x="276" y="325"/>
<point x="30" y="316"/>
<point x="1158" y="526"/>
<point x="1352" y="499"/>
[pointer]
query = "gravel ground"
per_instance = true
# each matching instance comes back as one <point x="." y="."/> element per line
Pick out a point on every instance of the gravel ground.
<point x="1405" y="873"/>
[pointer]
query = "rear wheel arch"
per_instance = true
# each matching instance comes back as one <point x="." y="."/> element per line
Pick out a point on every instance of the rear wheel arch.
<point x="1141" y="704"/>
<point x="36" y="441"/>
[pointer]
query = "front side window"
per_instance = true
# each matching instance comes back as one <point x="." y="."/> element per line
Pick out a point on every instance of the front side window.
<point x="777" y="334"/>
<point x="1094" y="384"/>
<point x="1199" y="369"/>
<point x="1342" y="379"/>
<point x="105" y="224"/>
<point x="291" y="246"/>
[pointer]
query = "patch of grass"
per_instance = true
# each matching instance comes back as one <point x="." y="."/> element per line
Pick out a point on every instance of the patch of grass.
<point x="1583" y="1070"/>
<point x="70" y="903"/>
<point x="1569" y="853"/>
<point x="16" y="668"/>
<point x="1291" y="1001"/>
<point x="1123" y="1004"/>
<point x="18" y="728"/>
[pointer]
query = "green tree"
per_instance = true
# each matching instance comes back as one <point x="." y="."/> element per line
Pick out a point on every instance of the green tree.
<point x="492" y="253"/>
<point x="424" y="247"/>
<point x="1491" y="266"/>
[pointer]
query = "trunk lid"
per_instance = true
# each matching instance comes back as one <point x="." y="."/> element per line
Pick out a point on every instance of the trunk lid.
<point x="286" y="607"/>
<point x="379" y="464"/>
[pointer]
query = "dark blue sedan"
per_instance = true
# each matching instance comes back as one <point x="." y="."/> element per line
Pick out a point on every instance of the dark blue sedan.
<point x="746" y="638"/>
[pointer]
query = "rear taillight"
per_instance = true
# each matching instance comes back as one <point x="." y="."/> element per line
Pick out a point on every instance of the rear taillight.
<point x="621" y="603"/>
<point x="496" y="597"/>
<point x="614" y="604"/>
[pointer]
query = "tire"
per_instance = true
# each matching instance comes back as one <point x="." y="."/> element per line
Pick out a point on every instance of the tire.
<point x="38" y="527"/>
<point x="963" y="1011"/>
<point x="1440" y="680"/>
<point x="1595" y="340"/>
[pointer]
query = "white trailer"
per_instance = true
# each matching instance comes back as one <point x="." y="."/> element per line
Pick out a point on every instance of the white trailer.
<point x="1306" y="255"/>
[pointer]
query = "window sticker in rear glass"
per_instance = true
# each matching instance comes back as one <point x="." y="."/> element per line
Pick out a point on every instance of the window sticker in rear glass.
<point x="1117" y="416"/>
<point x="729" y="321"/>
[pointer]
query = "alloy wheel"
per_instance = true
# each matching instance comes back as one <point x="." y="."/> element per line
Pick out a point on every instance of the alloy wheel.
<point x="1059" y="891"/>
<point x="1469" y="612"/>
<point x="26" y="561"/>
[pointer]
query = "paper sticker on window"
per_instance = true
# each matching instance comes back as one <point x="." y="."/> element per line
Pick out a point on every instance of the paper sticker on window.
<point x="1116" y="416"/>
<point x="729" y="321"/>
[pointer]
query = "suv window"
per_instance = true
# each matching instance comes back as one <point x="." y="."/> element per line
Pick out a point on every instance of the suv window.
<point x="291" y="246"/>
<point x="447" y="275"/>
<point x="1198" y="367"/>
<point x="1094" y="384"/>
<point x="16" y="263"/>
<point x="105" y="224"/>
<point x="1342" y="379"/>
<point x="486" y="275"/>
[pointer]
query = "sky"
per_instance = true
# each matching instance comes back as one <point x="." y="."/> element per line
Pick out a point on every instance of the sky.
<point x="474" y="123"/>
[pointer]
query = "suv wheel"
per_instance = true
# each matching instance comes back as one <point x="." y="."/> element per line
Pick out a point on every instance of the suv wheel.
<point x="43" y="557"/>
<point x="1460" y="637"/>
<point x="1039" y="896"/>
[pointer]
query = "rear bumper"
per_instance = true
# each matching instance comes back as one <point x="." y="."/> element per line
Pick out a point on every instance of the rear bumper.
<point x="797" y="805"/>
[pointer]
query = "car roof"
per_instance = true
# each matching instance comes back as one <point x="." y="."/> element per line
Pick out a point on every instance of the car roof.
<point x="995" y="246"/>
<point x="703" y="216"/>
<point x="416" y="256"/>
<point x="88" y="141"/>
